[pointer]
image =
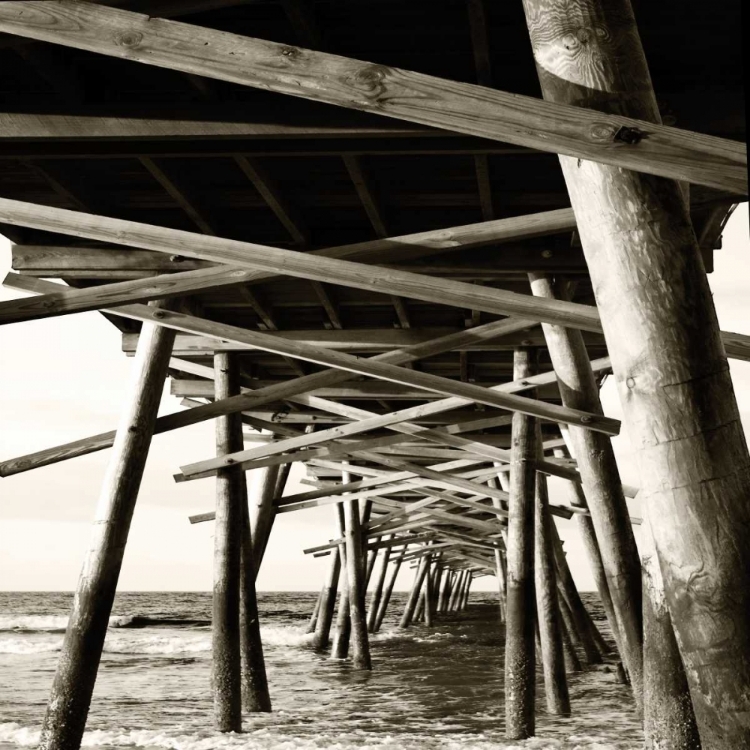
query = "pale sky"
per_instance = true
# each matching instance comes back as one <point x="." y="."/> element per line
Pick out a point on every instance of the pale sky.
<point x="64" y="378"/>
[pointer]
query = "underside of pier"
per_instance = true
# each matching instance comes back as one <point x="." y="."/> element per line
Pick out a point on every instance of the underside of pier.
<point x="403" y="244"/>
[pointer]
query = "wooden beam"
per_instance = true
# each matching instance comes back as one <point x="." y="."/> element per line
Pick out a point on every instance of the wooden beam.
<point x="366" y="194"/>
<point x="181" y="419"/>
<point x="328" y="304"/>
<point x="243" y="256"/>
<point x="361" y="340"/>
<point x="269" y="190"/>
<point x="584" y="134"/>
<point x="176" y="194"/>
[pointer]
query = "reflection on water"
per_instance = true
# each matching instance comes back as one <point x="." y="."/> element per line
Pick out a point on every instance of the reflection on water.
<point x="430" y="688"/>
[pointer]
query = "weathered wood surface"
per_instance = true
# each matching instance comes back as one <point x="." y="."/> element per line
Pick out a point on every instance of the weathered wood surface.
<point x="548" y="616"/>
<point x="225" y="621"/>
<point x="602" y="486"/>
<point x="327" y="603"/>
<point x="246" y="259"/>
<point x="460" y="107"/>
<point x="174" y="421"/>
<point x="668" y="716"/>
<point x="668" y="358"/>
<point x="74" y="680"/>
<point x="520" y="658"/>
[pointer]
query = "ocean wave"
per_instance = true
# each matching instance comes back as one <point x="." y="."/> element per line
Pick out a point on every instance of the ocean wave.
<point x="57" y="623"/>
<point x="269" y="739"/>
<point x="124" y="642"/>
<point x="50" y="623"/>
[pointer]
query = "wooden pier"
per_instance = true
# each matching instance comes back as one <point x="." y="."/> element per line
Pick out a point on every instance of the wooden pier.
<point x="402" y="244"/>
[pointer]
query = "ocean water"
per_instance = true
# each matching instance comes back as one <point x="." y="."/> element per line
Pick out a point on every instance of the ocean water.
<point x="433" y="688"/>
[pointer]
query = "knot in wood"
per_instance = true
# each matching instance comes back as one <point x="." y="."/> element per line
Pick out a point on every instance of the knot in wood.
<point x="129" y="38"/>
<point x="602" y="132"/>
<point x="290" y="52"/>
<point x="371" y="80"/>
<point x="159" y="314"/>
<point x="546" y="253"/>
<point x="630" y="382"/>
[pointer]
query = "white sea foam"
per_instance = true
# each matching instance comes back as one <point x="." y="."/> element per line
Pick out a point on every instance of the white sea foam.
<point x="51" y="623"/>
<point x="142" y="642"/>
<point x="271" y="739"/>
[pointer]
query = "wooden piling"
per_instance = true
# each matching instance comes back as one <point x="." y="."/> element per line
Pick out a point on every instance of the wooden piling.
<point x="73" y="685"/>
<point x="377" y="592"/>
<point x="602" y="486"/>
<point x="668" y="358"/>
<point x="427" y="596"/>
<point x="226" y="677"/>
<point x="412" y="601"/>
<point x="577" y="499"/>
<point x="256" y="697"/>
<point x="316" y="611"/>
<point x="548" y="618"/>
<point x="520" y="658"/>
<point x="262" y="511"/>
<point x="340" y="646"/>
<point x="572" y="662"/>
<point x="668" y="716"/>
<point x="569" y="593"/>
<point x="356" y="586"/>
<point x="445" y="591"/>
<point x="383" y="608"/>
<point x="327" y="603"/>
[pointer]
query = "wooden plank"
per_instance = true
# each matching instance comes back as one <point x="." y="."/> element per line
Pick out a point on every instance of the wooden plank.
<point x="175" y="421"/>
<point x="177" y="195"/>
<point x="460" y="107"/>
<point x="360" y="341"/>
<point x="243" y="256"/>
<point x="267" y="187"/>
<point x="180" y="122"/>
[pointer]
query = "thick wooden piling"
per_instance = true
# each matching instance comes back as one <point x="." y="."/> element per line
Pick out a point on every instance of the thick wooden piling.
<point x="668" y="716"/>
<point x="360" y="644"/>
<point x="548" y="617"/>
<point x="226" y="676"/>
<point x="340" y="646"/>
<point x="78" y="664"/>
<point x="601" y="482"/>
<point x="668" y="358"/>
<point x="520" y="658"/>
<point x="327" y="603"/>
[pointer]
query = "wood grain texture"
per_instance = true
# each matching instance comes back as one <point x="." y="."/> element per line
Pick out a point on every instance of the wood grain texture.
<point x="548" y="616"/>
<point x="226" y="679"/>
<point x="668" y="359"/>
<point x="391" y="92"/>
<point x="668" y="716"/>
<point x="73" y="685"/>
<point x="602" y="486"/>
<point x="249" y="258"/>
<point x="520" y="658"/>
